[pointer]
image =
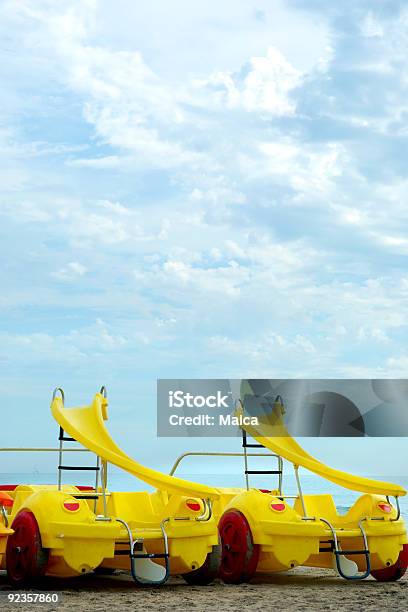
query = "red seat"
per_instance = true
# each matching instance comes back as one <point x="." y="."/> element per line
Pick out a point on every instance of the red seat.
<point x="6" y="500"/>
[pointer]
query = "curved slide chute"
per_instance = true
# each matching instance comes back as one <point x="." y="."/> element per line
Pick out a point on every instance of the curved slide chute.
<point x="271" y="432"/>
<point x="86" y="425"/>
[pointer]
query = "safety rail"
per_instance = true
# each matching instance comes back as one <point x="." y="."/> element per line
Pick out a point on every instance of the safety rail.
<point x="214" y="454"/>
<point x="245" y="455"/>
<point x="4" y="515"/>
<point x="134" y="554"/>
<point x="33" y="449"/>
<point x="339" y="552"/>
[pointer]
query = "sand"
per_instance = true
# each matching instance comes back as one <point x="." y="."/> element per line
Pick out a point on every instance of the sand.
<point x="302" y="589"/>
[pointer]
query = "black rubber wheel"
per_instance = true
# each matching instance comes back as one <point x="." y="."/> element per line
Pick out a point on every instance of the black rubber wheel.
<point x="104" y="571"/>
<point x="26" y="559"/>
<point x="208" y="571"/>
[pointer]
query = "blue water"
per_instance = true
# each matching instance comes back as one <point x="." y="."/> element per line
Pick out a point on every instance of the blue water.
<point x="121" y="481"/>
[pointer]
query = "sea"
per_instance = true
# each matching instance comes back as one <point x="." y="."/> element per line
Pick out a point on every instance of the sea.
<point x="121" y="481"/>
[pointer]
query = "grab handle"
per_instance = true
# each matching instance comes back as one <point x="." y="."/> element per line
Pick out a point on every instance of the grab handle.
<point x="58" y="390"/>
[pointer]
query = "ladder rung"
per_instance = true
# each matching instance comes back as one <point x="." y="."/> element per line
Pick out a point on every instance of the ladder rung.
<point x="122" y="552"/>
<point x="245" y="445"/>
<point x="263" y="472"/>
<point x="86" y="496"/>
<point x="78" y="468"/>
<point x="325" y="550"/>
<point x="150" y="556"/>
<point x="351" y="552"/>
<point x="63" y="437"/>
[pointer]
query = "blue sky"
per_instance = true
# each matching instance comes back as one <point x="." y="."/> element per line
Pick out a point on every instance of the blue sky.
<point x="208" y="189"/>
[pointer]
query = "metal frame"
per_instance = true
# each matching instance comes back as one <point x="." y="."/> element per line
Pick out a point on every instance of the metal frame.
<point x="279" y="471"/>
<point x="61" y="436"/>
<point x="133" y="555"/>
<point x="215" y="454"/>
<point x="247" y="454"/>
<point x="34" y="449"/>
<point x="4" y="515"/>
<point x="338" y="552"/>
<point x="300" y="492"/>
<point x="101" y="465"/>
<point x="207" y="511"/>
<point x="398" y="507"/>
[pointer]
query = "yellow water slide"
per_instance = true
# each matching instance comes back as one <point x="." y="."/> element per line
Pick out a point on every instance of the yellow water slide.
<point x="87" y="425"/>
<point x="271" y="432"/>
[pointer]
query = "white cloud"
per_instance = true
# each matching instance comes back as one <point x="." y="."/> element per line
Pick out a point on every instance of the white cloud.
<point x="371" y="26"/>
<point x="265" y="87"/>
<point x="250" y="199"/>
<point x="150" y="120"/>
<point x="268" y="84"/>
<point x="83" y="223"/>
<point x="72" y="270"/>
<point x="224" y="280"/>
<point x="95" y="341"/>
<point x="397" y="366"/>
<point x="309" y="169"/>
<point x="103" y="163"/>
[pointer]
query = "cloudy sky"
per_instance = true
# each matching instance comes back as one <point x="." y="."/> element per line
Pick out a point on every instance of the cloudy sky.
<point x="198" y="189"/>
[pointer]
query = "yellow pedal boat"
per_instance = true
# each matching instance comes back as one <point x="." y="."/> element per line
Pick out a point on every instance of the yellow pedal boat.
<point x="66" y="530"/>
<point x="266" y="530"/>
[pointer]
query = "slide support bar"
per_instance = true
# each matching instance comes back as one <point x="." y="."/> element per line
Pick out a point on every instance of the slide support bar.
<point x="302" y="501"/>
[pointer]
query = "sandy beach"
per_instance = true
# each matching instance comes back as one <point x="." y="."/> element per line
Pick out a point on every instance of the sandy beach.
<point x="303" y="589"/>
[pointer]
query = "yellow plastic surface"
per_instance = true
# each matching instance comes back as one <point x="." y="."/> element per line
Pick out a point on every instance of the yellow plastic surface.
<point x="86" y="425"/>
<point x="271" y="432"/>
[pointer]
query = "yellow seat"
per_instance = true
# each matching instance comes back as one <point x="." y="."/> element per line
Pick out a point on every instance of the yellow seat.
<point x="317" y="505"/>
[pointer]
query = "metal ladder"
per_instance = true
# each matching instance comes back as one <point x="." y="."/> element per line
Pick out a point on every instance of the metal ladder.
<point x="99" y="468"/>
<point x="63" y="438"/>
<point x="247" y="472"/>
<point x="334" y="543"/>
<point x="338" y="552"/>
<point x="136" y="551"/>
<point x="136" y="546"/>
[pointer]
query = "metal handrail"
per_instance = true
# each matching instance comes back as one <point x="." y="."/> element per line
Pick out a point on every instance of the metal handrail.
<point x="133" y="556"/>
<point x="207" y="512"/>
<point x="15" y="449"/>
<point x="300" y="492"/>
<point x="215" y="454"/>
<point x="338" y="551"/>
<point x="4" y="515"/>
<point x="398" y="508"/>
<point x="61" y="392"/>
